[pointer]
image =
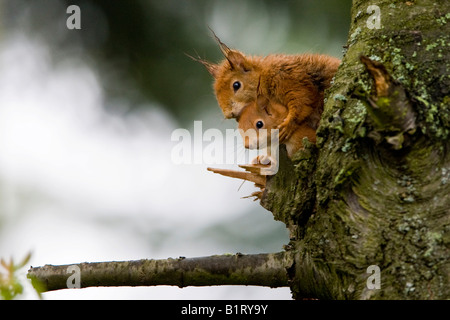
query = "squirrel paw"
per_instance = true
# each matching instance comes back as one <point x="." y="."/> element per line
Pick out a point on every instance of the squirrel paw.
<point x="262" y="159"/>
<point x="269" y="165"/>
<point x="287" y="128"/>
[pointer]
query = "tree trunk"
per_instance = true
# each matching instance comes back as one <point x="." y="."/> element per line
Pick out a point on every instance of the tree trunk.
<point x="368" y="206"/>
<point x="374" y="191"/>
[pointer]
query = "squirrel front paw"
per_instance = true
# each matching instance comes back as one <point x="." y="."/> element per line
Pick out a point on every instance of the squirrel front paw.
<point x="286" y="128"/>
<point x="270" y="164"/>
<point x="262" y="159"/>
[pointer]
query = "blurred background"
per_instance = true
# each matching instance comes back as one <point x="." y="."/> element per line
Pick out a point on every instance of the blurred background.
<point x="86" y="118"/>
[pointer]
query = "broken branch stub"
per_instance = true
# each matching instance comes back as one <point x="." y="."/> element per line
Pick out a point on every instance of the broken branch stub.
<point x="252" y="174"/>
<point x="389" y="106"/>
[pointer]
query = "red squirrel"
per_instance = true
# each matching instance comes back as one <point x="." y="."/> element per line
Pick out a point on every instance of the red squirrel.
<point x="264" y="114"/>
<point x="297" y="82"/>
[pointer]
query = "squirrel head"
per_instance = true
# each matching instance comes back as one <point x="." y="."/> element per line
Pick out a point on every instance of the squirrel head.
<point x="257" y="121"/>
<point x="236" y="80"/>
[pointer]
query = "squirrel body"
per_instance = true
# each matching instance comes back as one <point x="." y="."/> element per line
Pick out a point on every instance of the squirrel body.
<point x="297" y="82"/>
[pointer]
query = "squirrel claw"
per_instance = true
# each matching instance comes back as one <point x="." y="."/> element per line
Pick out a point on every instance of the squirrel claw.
<point x="263" y="165"/>
<point x="262" y="159"/>
<point x="286" y="128"/>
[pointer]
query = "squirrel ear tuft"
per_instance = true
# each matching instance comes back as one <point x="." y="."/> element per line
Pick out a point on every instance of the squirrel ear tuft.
<point x="223" y="47"/>
<point x="236" y="59"/>
<point x="211" y="67"/>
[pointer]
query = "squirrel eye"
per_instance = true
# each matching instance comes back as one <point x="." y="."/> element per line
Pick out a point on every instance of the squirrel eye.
<point x="259" y="124"/>
<point x="236" y="86"/>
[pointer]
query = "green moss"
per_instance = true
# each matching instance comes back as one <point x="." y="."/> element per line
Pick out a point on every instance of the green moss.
<point x="411" y="60"/>
<point x="431" y="46"/>
<point x="432" y="238"/>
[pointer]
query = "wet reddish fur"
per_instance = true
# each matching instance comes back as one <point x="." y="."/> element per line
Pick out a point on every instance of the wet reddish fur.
<point x="273" y="114"/>
<point x="295" y="81"/>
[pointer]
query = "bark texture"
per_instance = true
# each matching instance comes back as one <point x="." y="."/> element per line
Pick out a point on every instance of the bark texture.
<point x="375" y="189"/>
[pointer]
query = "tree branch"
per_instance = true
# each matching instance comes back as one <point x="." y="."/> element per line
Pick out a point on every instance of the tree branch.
<point x="255" y="269"/>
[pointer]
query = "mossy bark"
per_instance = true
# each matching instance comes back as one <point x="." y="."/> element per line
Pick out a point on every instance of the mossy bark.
<point x="371" y="192"/>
